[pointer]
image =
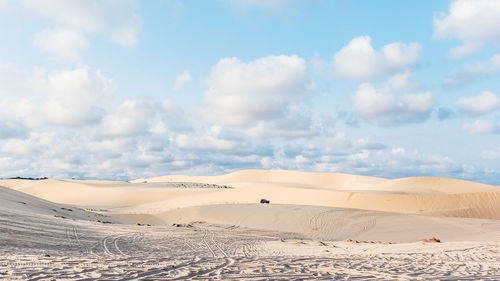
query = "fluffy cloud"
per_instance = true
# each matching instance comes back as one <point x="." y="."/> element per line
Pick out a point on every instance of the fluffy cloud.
<point x="132" y="117"/>
<point x="296" y="122"/>
<point x="182" y="80"/>
<point x="474" y="22"/>
<point x="17" y="147"/>
<point x="286" y="128"/>
<point x="111" y="17"/>
<point x="205" y="143"/>
<point x="471" y="71"/>
<point x="341" y="144"/>
<point x="111" y="147"/>
<point x="244" y="93"/>
<point x="73" y="96"/>
<point x="484" y="103"/>
<point x="394" y="103"/>
<point x="482" y="127"/>
<point x="341" y="153"/>
<point x="174" y="119"/>
<point x="68" y="97"/>
<point x="62" y="43"/>
<point x="79" y="86"/>
<point x="358" y="60"/>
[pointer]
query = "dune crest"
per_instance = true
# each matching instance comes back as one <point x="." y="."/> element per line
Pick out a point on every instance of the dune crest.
<point x="414" y="195"/>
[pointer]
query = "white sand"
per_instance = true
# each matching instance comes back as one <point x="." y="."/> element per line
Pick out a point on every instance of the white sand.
<point x="318" y="226"/>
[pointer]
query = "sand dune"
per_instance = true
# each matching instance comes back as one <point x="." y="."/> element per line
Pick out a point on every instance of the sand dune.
<point x="433" y="185"/>
<point x="281" y="177"/>
<point x="15" y="203"/>
<point x="98" y="194"/>
<point x="334" y="224"/>
<point x="424" y="195"/>
<point x="318" y="226"/>
<point x="431" y="196"/>
<point x="336" y="181"/>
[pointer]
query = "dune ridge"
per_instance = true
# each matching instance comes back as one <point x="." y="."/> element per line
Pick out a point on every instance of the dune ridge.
<point x="426" y="195"/>
<point x="414" y="195"/>
<point x="233" y="199"/>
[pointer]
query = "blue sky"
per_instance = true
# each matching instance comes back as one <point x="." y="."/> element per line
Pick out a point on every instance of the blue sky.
<point x="128" y="89"/>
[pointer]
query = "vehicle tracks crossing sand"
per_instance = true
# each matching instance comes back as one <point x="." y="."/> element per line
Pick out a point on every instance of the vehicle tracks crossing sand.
<point x="87" y="250"/>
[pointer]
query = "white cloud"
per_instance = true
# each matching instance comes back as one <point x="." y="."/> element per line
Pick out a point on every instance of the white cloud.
<point x="292" y="127"/>
<point x="73" y="96"/>
<point x="182" y="80"/>
<point x="370" y="102"/>
<point x="358" y="60"/>
<point x="393" y="103"/>
<point x="79" y="86"/>
<point x="174" y="117"/>
<point x="20" y="111"/>
<point x="482" y="127"/>
<point x="68" y="97"/>
<point x="471" y="71"/>
<point x="206" y="143"/>
<point x="58" y="113"/>
<point x="17" y="146"/>
<point x="62" y="43"/>
<point x="346" y="155"/>
<point x="112" y="17"/>
<point x="474" y="22"/>
<point x="132" y="117"/>
<point x="484" y="103"/>
<point x="296" y="122"/>
<point x="244" y="93"/>
<point x="341" y="143"/>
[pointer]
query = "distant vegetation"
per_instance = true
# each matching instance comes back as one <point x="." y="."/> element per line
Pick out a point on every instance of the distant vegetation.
<point x="31" y="179"/>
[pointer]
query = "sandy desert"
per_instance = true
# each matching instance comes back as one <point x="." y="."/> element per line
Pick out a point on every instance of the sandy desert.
<point x="249" y="140"/>
<point x="317" y="226"/>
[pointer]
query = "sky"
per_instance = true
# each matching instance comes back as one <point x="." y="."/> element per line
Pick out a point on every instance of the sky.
<point x="124" y="89"/>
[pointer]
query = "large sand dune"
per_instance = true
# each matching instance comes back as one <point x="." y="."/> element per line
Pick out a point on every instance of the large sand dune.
<point x="432" y="196"/>
<point x="326" y="223"/>
<point x="415" y="195"/>
<point x="297" y="198"/>
<point x="317" y="226"/>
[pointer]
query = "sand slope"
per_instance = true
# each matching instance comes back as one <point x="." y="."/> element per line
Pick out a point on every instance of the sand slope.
<point x="376" y="208"/>
<point x="424" y="195"/>
<point x="17" y="204"/>
<point x="281" y="177"/>
<point x="325" y="223"/>
<point x="99" y="194"/>
<point x="318" y="226"/>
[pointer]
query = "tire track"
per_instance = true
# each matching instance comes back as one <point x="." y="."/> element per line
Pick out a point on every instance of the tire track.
<point x="206" y="243"/>
<point x="115" y="243"/>
<point x="162" y="271"/>
<point x="217" y="245"/>
<point x="227" y="262"/>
